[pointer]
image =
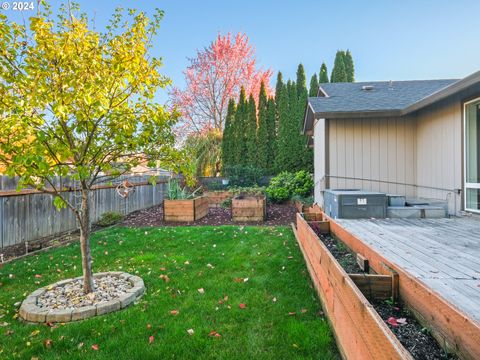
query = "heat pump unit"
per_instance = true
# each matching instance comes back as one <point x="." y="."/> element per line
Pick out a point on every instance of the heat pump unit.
<point x="355" y="204"/>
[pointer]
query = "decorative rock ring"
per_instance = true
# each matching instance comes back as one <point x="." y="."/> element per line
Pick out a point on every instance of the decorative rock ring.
<point x="30" y="311"/>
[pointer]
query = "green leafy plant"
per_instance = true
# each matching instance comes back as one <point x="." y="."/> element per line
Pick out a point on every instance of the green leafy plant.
<point x="247" y="190"/>
<point x="239" y="175"/>
<point x="286" y="185"/>
<point x="226" y="204"/>
<point x="109" y="218"/>
<point x="176" y="192"/>
<point x="308" y="201"/>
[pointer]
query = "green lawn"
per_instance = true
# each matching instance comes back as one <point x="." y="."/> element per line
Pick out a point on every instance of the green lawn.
<point x="282" y="318"/>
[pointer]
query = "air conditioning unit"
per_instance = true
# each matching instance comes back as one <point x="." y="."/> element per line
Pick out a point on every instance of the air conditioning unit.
<point x="355" y="204"/>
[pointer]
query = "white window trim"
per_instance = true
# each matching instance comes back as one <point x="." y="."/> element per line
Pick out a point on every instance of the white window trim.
<point x="465" y="184"/>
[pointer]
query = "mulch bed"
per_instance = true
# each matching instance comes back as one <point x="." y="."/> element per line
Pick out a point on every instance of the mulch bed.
<point x="413" y="336"/>
<point x="277" y="214"/>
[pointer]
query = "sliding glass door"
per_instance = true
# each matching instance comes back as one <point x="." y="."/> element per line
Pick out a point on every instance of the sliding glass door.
<point x="472" y="155"/>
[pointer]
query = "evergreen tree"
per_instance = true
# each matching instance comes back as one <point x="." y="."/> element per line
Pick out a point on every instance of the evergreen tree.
<point x="301" y="82"/>
<point x="279" y="85"/>
<point x="339" y="73"/>
<point x="349" y="67"/>
<point x="251" y="133"/>
<point x="282" y="112"/>
<point x="272" y="134"/>
<point x="262" y="133"/>
<point x="238" y="133"/>
<point x="323" y="77"/>
<point x="228" y="140"/>
<point x="313" y="92"/>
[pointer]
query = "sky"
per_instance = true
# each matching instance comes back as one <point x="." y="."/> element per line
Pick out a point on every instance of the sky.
<point x="389" y="39"/>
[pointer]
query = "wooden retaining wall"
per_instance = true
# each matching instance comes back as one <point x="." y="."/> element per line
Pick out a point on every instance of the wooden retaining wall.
<point x="186" y="209"/>
<point x="359" y="330"/>
<point x="28" y="215"/>
<point x="450" y="326"/>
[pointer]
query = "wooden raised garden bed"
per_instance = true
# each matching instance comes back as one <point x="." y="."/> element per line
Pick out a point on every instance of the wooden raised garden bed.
<point x="360" y="331"/>
<point x="185" y="209"/>
<point x="249" y="208"/>
<point x="216" y="198"/>
<point x="361" y="295"/>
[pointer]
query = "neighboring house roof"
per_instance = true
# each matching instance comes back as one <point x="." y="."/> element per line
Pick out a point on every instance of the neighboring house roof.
<point x="380" y="98"/>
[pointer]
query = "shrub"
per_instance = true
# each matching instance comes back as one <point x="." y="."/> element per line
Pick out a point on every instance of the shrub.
<point x="285" y="185"/>
<point x="109" y="218"/>
<point x="302" y="184"/>
<point x="239" y="175"/>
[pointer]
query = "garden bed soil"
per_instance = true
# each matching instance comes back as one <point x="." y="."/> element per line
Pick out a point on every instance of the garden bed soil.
<point x="277" y="214"/>
<point x="413" y="336"/>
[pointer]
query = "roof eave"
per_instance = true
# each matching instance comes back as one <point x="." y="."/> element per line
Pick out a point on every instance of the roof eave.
<point x="309" y="119"/>
<point x="357" y="114"/>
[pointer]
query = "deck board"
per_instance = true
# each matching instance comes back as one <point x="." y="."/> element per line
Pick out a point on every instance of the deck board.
<point x="443" y="253"/>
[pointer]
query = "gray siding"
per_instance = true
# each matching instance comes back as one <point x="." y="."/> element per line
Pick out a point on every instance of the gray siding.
<point x="372" y="154"/>
<point x="439" y="153"/>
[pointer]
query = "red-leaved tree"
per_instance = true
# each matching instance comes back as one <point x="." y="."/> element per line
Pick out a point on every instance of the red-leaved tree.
<point x="214" y="76"/>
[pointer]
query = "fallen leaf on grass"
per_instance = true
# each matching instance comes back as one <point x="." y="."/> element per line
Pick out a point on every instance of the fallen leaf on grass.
<point x="242" y="306"/>
<point x="214" y="334"/>
<point x="201" y="291"/>
<point x="174" y="312"/>
<point x="303" y="311"/>
<point x="149" y="326"/>
<point x="210" y="266"/>
<point x="95" y="347"/>
<point x="38" y="276"/>
<point x="164" y="277"/>
<point x="274" y="299"/>
<point x="48" y="343"/>
<point x="79" y="346"/>
<point x="291" y="313"/>
<point x="190" y="331"/>
<point x="151" y="339"/>
<point x="35" y="332"/>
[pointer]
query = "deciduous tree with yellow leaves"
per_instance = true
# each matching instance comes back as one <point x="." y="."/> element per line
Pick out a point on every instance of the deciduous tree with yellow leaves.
<point x="76" y="102"/>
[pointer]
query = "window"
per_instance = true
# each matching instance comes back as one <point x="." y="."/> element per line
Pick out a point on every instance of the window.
<point x="472" y="155"/>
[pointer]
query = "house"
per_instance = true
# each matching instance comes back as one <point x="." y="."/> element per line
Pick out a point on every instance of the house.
<point x="418" y="138"/>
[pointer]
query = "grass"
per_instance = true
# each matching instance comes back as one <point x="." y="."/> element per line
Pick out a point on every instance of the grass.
<point x="278" y="284"/>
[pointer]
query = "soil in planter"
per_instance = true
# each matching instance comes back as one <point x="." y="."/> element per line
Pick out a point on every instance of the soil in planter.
<point x="339" y="251"/>
<point x="413" y="336"/>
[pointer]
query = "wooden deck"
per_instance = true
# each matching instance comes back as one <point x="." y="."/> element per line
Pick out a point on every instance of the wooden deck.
<point x="444" y="254"/>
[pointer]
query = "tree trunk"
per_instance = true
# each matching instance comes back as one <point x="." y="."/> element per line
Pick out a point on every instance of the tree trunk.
<point x="85" y="243"/>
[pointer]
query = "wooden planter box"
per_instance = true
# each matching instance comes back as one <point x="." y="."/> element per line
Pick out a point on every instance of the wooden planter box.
<point x="359" y="330"/>
<point x="216" y="198"/>
<point x="249" y="208"/>
<point x="185" y="210"/>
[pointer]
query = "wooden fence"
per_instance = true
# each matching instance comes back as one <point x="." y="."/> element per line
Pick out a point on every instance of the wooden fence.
<point x="28" y="215"/>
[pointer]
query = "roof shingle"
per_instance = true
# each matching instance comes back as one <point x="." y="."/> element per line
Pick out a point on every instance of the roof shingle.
<point x="384" y="95"/>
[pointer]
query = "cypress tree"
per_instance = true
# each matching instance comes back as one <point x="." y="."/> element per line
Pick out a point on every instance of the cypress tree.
<point x="339" y="73"/>
<point x="301" y="81"/>
<point x="282" y="112"/>
<point x="272" y="134"/>
<point x="262" y="133"/>
<point x="313" y="92"/>
<point x="251" y="133"/>
<point x="349" y="67"/>
<point x="323" y="77"/>
<point x="238" y="133"/>
<point x="228" y="140"/>
<point x="279" y="85"/>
